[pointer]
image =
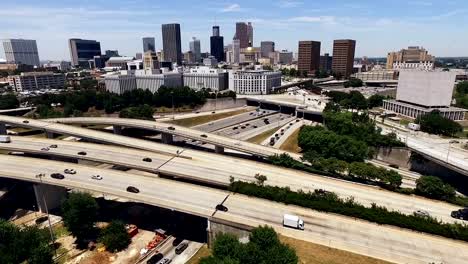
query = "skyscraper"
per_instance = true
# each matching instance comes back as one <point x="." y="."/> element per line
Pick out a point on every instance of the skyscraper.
<point x="326" y="63"/>
<point x="266" y="47"/>
<point x="309" y="57"/>
<point x="172" y="43"/>
<point x="343" y="57"/>
<point x="244" y="33"/>
<point x="217" y="44"/>
<point x="195" y="49"/>
<point x="21" y="51"/>
<point x="82" y="50"/>
<point x="236" y="50"/>
<point x="149" y="44"/>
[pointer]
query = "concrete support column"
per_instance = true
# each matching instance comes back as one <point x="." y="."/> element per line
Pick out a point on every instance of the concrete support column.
<point x="49" y="134"/>
<point x="219" y="149"/>
<point x="166" y="138"/>
<point x="3" y="130"/>
<point x="49" y="195"/>
<point x="117" y="129"/>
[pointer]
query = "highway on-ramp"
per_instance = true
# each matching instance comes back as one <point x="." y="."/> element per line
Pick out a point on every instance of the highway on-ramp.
<point x="389" y="243"/>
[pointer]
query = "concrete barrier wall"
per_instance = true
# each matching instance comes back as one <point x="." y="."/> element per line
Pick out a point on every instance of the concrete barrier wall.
<point x="397" y="156"/>
<point x="220" y="227"/>
<point x="222" y="103"/>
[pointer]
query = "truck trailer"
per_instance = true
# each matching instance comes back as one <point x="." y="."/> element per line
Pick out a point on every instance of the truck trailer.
<point x="293" y="221"/>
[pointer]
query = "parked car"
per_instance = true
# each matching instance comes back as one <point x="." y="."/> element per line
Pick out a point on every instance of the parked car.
<point x="181" y="247"/>
<point x="147" y="160"/>
<point x="422" y="213"/>
<point x="460" y="214"/>
<point x="57" y="176"/>
<point x="221" y="207"/>
<point x="82" y="153"/>
<point x="69" y="171"/>
<point x="41" y="219"/>
<point x="96" y="177"/>
<point x="132" y="189"/>
<point x="53" y="146"/>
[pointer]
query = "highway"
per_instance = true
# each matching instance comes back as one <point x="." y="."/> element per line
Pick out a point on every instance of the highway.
<point x="232" y="120"/>
<point x="392" y="244"/>
<point x="180" y="131"/>
<point x="217" y="170"/>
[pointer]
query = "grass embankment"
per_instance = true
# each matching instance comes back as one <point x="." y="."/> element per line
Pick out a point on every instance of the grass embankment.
<point x="198" y="120"/>
<point x="310" y="253"/>
<point x="258" y="139"/>
<point x="291" y="144"/>
<point x="204" y="251"/>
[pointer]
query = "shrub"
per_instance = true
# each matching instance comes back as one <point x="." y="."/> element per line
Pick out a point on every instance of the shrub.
<point x="434" y="187"/>
<point x="115" y="237"/>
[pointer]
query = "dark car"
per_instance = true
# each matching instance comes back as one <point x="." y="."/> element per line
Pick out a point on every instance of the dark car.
<point x="204" y="136"/>
<point x="132" y="189"/>
<point x="221" y="207"/>
<point x="82" y="153"/>
<point x="181" y="247"/>
<point x="41" y="220"/>
<point x="171" y="128"/>
<point x="57" y="176"/>
<point x="394" y="166"/>
<point x="53" y="146"/>
<point x="177" y="241"/>
<point x="26" y="121"/>
<point x="147" y="160"/>
<point x="154" y="259"/>
<point x="460" y="214"/>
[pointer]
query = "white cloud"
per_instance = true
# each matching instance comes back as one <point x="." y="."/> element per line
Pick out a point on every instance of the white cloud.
<point x="314" y="19"/>
<point x="231" y="8"/>
<point x="421" y="3"/>
<point x="289" y="3"/>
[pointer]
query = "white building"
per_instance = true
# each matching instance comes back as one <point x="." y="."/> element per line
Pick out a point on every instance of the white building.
<point x="21" y="51"/>
<point x="380" y="75"/>
<point x="419" y="65"/>
<point x="28" y="81"/>
<point x="60" y="65"/>
<point x="141" y="79"/>
<point x="211" y="61"/>
<point x="135" y="65"/>
<point x="205" y="77"/>
<point x="254" y="82"/>
<point x="118" y="62"/>
<point x="420" y="92"/>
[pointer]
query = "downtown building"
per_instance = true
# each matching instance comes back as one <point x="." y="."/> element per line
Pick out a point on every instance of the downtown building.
<point x="308" y="57"/>
<point x="421" y="92"/>
<point x="217" y="45"/>
<point x="83" y="50"/>
<point x="30" y="81"/>
<point x="266" y="48"/>
<point x="326" y="63"/>
<point x="411" y="58"/>
<point x="195" y="48"/>
<point x="206" y="77"/>
<point x="254" y="81"/>
<point x="21" y="51"/>
<point x="343" y="57"/>
<point x="285" y="57"/>
<point x="172" y="43"/>
<point x="244" y="33"/>
<point x="149" y="44"/>
<point x="124" y="81"/>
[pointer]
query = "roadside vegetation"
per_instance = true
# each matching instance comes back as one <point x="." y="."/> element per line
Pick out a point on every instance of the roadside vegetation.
<point x="8" y="101"/>
<point x="144" y="112"/>
<point x="258" y="139"/>
<point x="264" y="246"/>
<point x="461" y="94"/>
<point x="198" y="120"/>
<point x="434" y="123"/>
<point x="331" y="203"/>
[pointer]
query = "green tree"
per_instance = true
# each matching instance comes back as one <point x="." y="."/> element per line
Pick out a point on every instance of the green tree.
<point x="138" y="112"/>
<point x="79" y="215"/>
<point x="293" y="72"/>
<point x="375" y="100"/>
<point x="434" y="123"/>
<point x="226" y="245"/>
<point x="353" y="82"/>
<point x="264" y="237"/>
<point x="260" y="179"/>
<point x="8" y="101"/>
<point x="462" y="87"/>
<point x="115" y="237"/>
<point x="434" y="187"/>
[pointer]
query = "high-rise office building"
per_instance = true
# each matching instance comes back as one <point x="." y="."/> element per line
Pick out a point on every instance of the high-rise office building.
<point x="82" y="50"/>
<point x="266" y="48"/>
<point x="21" y="51"/>
<point x="112" y="53"/>
<point x="236" y="50"/>
<point x="195" y="49"/>
<point x="150" y="61"/>
<point x="217" y="45"/>
<point x="410" y="58"/>
<point x="285" y="57"/>
<point x="172" y="43"/>
<point x="244" y="33"/>
<point x="343" y="57"/>
<point x="149" y="44"/>
<point x="326" y="62"/>
<point x="309" y="57"/>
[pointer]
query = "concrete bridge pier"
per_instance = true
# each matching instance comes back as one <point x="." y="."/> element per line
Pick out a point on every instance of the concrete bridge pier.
<point x="216" y="227"/>
<point x="3" y="130"/>
<point x="50" y="134"/>
<point x="49" y="196"/>
<point x="219" y="150"/>
<point x="117" y="129"/>
<point x="166" y="138"/>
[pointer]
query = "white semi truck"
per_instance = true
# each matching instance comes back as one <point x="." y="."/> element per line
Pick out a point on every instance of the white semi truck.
<point x="293" y="221"/>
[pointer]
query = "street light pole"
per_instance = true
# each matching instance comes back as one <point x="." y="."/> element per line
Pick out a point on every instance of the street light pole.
<point x="52" y="237"/>
<point x="172" y="100"/>
<point x="216" y="100"/>
<point x="448" y="151"/>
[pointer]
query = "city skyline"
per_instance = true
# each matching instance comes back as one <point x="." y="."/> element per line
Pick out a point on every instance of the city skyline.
<point x="378" y="27"/>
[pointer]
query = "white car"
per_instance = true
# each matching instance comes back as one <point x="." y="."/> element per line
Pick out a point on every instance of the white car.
<point x="70" y="171"/>
<point x="96" y="177"/>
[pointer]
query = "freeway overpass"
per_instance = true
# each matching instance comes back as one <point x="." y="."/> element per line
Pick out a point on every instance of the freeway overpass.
<point x="169" y="130"/>
<point x="384" y="242"/>
<point x="216" y="170"/>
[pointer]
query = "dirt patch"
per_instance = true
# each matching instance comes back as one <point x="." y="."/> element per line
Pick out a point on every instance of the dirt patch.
<point x="258" y="139"/>
<point x="201" y="253"/>
<point x="291" y="143"/>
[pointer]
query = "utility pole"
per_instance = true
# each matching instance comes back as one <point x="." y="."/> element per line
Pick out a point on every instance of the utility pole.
<point x="216" y="100"/>
<point x="52" y="237"/>
<point x="172" y="100"/>
<point x="448" y="151"/>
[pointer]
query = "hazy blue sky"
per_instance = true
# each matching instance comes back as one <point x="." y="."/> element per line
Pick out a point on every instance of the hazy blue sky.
<point x="378" y="26"/>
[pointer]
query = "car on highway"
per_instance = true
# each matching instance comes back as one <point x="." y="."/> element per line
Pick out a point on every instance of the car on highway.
<point x="53" y="146"/>
<point x="454" y="142"/>
<point x="234" y="128"/>
<point x="165" y="261"/>
<point x="96" y="177"/>
<point x="82" y="153"/>
<point x="57" y="176"/>
<point x="132" y="189"/>
<point x="394" y="166"/>
<point x="69" y="171"/>
<point x="461" y="214"/>
<point x="422" y="213"/>
<point x="154" y="259"/>
<point x="5" y="139"/>
<point x="177" y="241"/>
<point x="147" y="159"/>
<point x="171" y="128"/>
<point x="221" y="207"/>
<point x="254" y="126"/>
<point x="25" y="121"/>
<point x="45" y="149"/>
<point x="242" y="127"/>
<point x="203" y="136"/>
<point x="181" y="247"/>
